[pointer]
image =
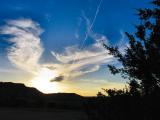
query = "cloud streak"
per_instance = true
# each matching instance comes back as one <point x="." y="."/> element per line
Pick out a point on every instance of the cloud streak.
<point x="89" y="60"/>
<point x="26" y="48"/>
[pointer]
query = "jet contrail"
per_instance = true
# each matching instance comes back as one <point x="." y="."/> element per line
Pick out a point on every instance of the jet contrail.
<point x="91" y="25"/>
<point x="95" y="16"/>
<point x="89" y="29"/>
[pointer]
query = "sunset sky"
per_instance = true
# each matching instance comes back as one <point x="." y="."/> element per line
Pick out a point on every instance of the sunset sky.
<point x="55" y="45"/>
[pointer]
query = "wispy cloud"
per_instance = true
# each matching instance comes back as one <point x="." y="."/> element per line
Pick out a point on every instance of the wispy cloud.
<point x="26" y="48"/>
<point x="82" y="60"/>
<point x="79" y="60"/>
<point x="89" y="60"/>
<point x="76" y="61"/>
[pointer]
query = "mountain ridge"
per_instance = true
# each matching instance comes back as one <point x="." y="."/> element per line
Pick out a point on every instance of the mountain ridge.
<point x="19" y="95"/>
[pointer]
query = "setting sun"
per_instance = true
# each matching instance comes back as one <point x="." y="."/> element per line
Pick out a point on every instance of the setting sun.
<point x="42" y="81"/>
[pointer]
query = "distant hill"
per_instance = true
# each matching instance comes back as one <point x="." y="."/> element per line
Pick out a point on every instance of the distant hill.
<point x="18" y="95"/>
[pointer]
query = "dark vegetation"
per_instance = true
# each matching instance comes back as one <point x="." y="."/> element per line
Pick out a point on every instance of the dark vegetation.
<point x="141" y="66"/>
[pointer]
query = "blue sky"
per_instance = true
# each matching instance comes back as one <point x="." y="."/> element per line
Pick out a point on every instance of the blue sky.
<point x="64" y="24"/>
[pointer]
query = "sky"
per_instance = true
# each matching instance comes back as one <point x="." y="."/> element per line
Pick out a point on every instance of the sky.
<point x="56" y="45"/>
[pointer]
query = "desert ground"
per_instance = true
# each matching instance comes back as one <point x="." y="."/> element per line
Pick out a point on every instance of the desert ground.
<point x="40" y="114"/>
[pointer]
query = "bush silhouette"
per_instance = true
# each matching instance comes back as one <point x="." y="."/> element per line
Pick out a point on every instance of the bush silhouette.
<point x="141" y="59"/>
<point x="141" y="65"/>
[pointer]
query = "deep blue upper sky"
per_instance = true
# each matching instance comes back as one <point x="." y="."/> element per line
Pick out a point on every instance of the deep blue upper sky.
<point x="59" y="18"/>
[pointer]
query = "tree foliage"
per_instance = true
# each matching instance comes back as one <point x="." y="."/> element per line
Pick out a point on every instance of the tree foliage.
<point x="141" y="59"/>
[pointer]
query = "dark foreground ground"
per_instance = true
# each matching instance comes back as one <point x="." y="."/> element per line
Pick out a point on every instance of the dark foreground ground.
<point x="18" y="102"/>
<point x="40" y="114"/>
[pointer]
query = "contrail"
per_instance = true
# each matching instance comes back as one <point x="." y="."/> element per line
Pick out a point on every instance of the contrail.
<point x="91" y="25"/>
<point x="95" y="16"/>
<point x="89" y="29"/>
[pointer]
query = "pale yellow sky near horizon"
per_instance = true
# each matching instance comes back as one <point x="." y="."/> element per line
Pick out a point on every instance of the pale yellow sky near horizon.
<point x="82" y="87"/>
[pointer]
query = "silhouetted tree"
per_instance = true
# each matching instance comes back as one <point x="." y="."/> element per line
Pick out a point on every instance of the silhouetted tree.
<point x="141" y="59"/>
<point x="100" y="94"/>
<point x="114" y="92"/>
<point x="134" y="88"/>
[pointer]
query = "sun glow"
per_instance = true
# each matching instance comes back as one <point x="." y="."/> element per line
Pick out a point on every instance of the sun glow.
<point x="42" y="81"/>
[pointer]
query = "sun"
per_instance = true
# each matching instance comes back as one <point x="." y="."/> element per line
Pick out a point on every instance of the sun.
<point x="42" y="81"/>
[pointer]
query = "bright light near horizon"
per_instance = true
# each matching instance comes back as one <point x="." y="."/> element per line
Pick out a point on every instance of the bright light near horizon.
<point x="42" y="81"/>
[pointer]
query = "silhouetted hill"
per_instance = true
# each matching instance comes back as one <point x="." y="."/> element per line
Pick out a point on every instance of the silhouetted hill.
<point x="15" y="94"/>
<point x="17" y="90"/>
<point x="64" y="100"/>
<point x="18" y="95"/>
